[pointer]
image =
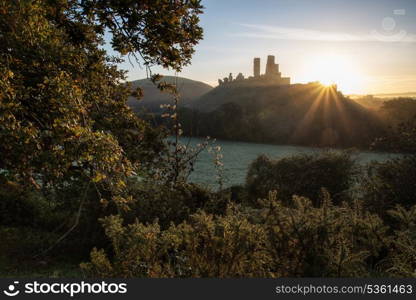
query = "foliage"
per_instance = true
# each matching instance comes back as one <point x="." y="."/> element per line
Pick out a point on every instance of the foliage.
<point x="163" y="33"/>
<point x="390" y="183"/>
<point x="207" y="246"/>
<point x="20" y="207"/>
<point x="398" y="110"/>
<point x="55" y="123"/>
<point x="401" y="138"/>
<point x="273" y="241"/>
<point x="73" y="153"/>
<point x="68" y="141"/>
<point x="63" y="109"/>
<point x="166" y="204"/>
<point x="328" y="241"/>
<point x="399" y="115"/>
<point x="302" y="175"/>
<point x="402" y="260"/>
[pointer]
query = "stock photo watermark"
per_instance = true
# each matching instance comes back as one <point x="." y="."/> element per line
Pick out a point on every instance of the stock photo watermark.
<point x="71" y="289"/>
<point x="389" y="31"/>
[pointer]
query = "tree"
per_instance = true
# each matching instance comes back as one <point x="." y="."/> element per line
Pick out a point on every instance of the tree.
<point x="65" y="129"/>
<point x="303" y="175"/>
<point x="390" y="183"/>
<point x="63" y="110"/>
<point x="400" y="117"/>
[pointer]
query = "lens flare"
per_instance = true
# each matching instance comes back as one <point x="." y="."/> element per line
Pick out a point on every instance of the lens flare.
<point x="335" y="69"/>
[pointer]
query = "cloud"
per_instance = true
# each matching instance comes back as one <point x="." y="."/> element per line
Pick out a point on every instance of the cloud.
<point x="287" y="33"/>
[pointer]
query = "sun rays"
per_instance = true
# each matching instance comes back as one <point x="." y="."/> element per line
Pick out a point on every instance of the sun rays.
<point x="327" y="107"/>
<point x="326" y="102"/>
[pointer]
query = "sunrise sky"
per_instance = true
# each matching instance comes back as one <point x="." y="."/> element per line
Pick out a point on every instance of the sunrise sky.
<point x="366" y="46"/>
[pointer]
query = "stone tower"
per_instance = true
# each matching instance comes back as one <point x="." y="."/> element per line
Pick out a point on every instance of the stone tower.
<point x="272" y="69"/>
<point x="256" y="67"/>
<point x="270" y="66"/>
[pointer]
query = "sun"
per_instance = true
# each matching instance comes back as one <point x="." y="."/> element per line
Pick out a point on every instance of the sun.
<point x="335" y="69"/>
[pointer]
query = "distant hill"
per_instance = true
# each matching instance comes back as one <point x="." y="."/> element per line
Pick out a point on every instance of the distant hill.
<point x="153" y="97"/>
<point x="305" y="114"/>
<point x="376" y="102"/>
<point x="390" y="95"/>
<point x="369" y="101"/>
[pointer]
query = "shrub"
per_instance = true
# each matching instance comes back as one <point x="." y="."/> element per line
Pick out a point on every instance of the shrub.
<point x="228" y="246"/>
<point x="206" y="246"/>
<point x="272" y="241"/>
<point x="329" y="241"/>
<point x="172" y="204"/>
<point x="302" y="175"/>
<point x="402" y="259"/>
<point x="390" y="183"/>
<point x="23" y="206"/>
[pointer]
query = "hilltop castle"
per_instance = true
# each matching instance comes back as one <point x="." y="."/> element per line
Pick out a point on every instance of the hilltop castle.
<point x="272" y="76"/>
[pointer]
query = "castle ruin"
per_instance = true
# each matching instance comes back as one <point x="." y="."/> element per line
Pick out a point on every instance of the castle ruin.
<point x="256" y="67"/>
<point x="272" y="76"/>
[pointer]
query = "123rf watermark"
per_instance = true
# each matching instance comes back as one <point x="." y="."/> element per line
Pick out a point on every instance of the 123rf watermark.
<point x="71" y="289"/>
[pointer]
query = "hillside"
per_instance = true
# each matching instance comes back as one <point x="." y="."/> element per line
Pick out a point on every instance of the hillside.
<point x="153" y="97"/>
<point x="305" y="114"/>
<point x="369" y="101"/>
<point x="387" y="96"/>
<point x="376" y="103"/>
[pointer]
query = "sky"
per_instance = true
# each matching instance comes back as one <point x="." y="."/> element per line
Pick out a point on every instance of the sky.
<point x="366" y="47"/>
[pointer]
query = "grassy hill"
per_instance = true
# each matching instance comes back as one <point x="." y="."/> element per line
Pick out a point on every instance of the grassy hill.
<point x="153" y="97"/>
<point x="306" y="114"/>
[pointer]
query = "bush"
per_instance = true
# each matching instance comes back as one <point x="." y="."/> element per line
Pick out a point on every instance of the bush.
<point x="71" y="211"/>
<point x="302" y="175"/>
<point x="329" y="241"/>
<point x="172" y="204"/>
<point x="23" y="206"/>
<point x="402" y="259"/>
<point x="273" y="241"/>
<point x="206" y="246"/>
<point x="390" y="183"/>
